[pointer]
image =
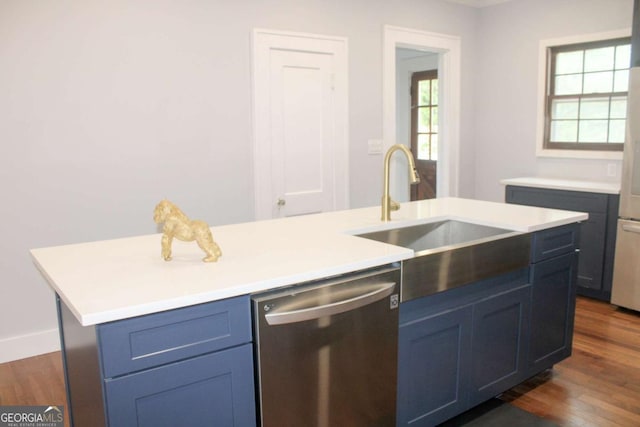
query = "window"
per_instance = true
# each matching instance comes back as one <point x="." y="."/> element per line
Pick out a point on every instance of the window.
<point x="586" y="99"/>
<point x="424" y="114"/>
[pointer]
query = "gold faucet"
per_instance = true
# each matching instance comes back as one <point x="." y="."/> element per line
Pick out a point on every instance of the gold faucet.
<point x="389" y="204"/>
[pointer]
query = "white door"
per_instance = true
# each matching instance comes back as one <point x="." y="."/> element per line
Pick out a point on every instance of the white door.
<point x="301" y="132"/>
<point x="300" y="124"/>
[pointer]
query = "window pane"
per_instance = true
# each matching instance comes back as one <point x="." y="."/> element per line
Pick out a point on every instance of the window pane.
<point x="618" y="108"/>
<point x="598" y="82"/>
<point x="616" y="130"/>
<point x="434" y="91"/>
<point x="424" y="91"/>
<point x="594" y="108"/>
<point x="423" y="119"/>
<point x="564" y="109"/>
<point x="564" y="131"/>
<point x="599" y="59"/>
<point x="568" y="85"/>
<point x="593" y="131"/>
<point x="434" y="146"/>
<point x="623" y="56"/>
<point x="569" y="62"/>
<point x="621" y="81"/>
<point x="423" y="146"/>
<point x="434" y="119"/>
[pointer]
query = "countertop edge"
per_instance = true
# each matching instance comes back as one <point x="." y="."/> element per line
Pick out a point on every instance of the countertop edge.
<point x="564" y="184"/>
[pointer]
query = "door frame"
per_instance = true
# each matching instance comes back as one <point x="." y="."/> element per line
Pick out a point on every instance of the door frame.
<point x="263" y="41"/>
<point x="448" y="48"/>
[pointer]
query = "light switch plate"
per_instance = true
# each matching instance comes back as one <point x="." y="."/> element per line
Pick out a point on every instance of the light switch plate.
<point x="374" y="146"/>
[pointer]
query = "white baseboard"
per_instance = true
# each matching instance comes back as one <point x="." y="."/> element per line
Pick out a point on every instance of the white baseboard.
<point x="23" y="346"/>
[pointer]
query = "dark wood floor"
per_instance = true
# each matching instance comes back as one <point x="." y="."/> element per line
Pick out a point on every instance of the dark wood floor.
<point x="599" y="385"/>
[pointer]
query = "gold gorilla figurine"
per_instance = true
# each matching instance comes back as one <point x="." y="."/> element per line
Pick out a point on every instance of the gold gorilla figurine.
<point x="178" y="225"/>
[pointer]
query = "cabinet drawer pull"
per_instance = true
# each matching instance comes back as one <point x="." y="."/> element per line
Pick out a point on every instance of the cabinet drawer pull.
<point x="631" y="228"/>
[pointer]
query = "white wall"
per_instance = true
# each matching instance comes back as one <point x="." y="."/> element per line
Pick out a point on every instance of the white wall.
<point x="107" y="107"/>
<point x="506" y="86"/>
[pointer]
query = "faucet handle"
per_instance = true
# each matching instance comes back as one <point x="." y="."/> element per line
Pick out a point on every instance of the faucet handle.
<point x="393" y="205"/>
<point x="414" y="176"/>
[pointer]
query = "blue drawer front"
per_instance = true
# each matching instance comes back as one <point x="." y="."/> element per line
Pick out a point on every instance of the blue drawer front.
<point x="143" y="342"/>
<point x="554" y="242"/>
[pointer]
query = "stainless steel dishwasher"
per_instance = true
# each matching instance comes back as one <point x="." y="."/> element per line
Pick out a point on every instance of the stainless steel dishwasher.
<point x="327" y="351"/>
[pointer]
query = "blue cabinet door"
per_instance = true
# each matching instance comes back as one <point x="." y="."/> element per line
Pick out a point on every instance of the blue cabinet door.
<point x="500" y="333"/>
<point x="591" y="263"/>
<point x="433" y="359"/>
<point x="552" y="311"/>
<point x="215" y="389"/>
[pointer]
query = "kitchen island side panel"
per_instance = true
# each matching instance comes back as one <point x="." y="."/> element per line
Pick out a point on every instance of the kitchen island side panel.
<point x="81" y="364"/>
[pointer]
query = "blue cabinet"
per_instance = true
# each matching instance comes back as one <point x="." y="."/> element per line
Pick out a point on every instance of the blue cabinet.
<point x="461" y="347"/>
<point x="190" y="366"/>
<point x="597" y="234"/>
<point x="458" y="347"/>
<point x="553" y="308"/>
<point x="554" y="271"/>
<point x="499" y="337"/>
<point x="434" y="354"/>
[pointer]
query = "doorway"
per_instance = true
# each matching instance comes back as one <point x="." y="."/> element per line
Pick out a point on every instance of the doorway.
<point x="446" y="53"/>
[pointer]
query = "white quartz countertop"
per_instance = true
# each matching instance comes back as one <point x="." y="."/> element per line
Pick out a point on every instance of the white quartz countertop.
<point x="565" y="184"/>
<point x="115" y="279"/>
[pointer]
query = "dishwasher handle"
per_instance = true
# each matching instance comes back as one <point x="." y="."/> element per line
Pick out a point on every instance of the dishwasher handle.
<point x="338" y="307"/>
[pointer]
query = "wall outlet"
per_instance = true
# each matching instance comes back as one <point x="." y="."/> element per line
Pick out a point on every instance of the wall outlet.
<point x="374" y="146"/>
<point x="612" y="170"/>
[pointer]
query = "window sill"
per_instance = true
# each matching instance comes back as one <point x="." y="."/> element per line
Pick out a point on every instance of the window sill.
<point x="579" y="154"/>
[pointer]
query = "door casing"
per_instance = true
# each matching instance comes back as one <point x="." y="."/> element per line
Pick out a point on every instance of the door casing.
<point x="448" y="48"/>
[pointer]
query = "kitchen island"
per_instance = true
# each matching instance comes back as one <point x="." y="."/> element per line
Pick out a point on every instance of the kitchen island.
<point x="131" y="323"/>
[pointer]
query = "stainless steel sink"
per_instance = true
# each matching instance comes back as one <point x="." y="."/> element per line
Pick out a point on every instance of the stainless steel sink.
<point x="452" y="253"/>
<point x="435" y="235"/>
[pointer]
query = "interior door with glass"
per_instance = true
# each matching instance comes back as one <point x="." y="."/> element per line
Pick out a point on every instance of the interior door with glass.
<point x="424" y="132"/>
